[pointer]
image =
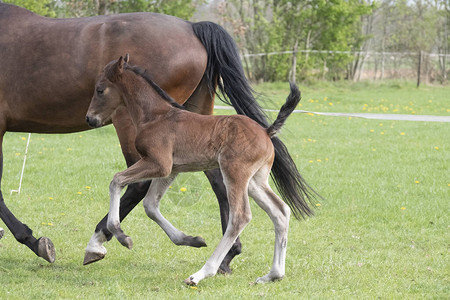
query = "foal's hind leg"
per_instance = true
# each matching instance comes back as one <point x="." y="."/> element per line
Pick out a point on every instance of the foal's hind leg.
<point x="240" y="216"/>
<point x="216" y="180"/>
<point x="279" y="213"/>
<point x="157" y="190"/>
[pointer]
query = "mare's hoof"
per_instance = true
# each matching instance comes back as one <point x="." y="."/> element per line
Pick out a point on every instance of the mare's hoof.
<point x="126" y="241"/>
<point x="196" y="242"/>
<point x="2" y="232"/>
<point x="91" y="257"/>
<point x="189" y="281"/>
<point x="224" y="268"/>
<point x="46" y="250"/>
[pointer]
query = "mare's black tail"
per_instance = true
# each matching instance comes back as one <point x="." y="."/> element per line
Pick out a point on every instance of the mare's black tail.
<point x="224" y="63"/>
<point x="291" y="103"/>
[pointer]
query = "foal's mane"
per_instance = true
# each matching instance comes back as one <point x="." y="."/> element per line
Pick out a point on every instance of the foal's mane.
<point x="144" y="74"/>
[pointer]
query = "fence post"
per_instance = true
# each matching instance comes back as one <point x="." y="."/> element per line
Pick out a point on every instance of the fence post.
<point x="419" y="68"/>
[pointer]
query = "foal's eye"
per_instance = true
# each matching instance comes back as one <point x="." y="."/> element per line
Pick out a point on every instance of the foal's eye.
<point x="100" y="91"/>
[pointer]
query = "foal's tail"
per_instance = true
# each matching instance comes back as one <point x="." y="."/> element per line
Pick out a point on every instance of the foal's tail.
<point x="224" y="63"/>
<point x="291" y="103"/>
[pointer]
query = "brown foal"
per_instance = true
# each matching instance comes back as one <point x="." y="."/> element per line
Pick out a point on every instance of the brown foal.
<point x="171" y="140"/>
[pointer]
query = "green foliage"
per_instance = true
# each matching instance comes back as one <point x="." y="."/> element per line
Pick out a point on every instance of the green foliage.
<point x="271" y="26"/>
<point x="180" y="8"/>
<point x="40" y="7"/>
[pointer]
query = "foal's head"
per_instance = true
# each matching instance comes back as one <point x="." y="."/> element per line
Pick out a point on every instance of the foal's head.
<point x="107" y="97"/>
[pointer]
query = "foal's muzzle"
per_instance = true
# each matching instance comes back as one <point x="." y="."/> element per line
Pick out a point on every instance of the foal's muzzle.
<point x="93" y="121"/>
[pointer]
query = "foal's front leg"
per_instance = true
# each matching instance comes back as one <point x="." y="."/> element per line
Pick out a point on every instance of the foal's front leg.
<point x="140" y="171"/>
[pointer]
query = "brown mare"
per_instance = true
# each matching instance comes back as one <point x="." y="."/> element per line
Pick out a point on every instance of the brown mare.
<point x="48" y="69"/>
<point x="171" y="140"/>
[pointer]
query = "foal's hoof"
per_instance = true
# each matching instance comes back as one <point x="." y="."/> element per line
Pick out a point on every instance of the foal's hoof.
<point x="196" y="242"/>
<point x="91" y="257"/>
<point x="189" y="281"/>
<point x="46" y="250"/>
<point x="125" y="241"/>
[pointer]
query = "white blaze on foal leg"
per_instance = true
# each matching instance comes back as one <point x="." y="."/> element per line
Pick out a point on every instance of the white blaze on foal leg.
<point x="95" y="250"/>
<point x="279" y="213"/>
<point x="113" y="223"/>
<point x="240" y="216"/>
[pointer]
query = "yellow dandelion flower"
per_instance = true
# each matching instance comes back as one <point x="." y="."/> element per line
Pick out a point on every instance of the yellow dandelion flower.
<point x="417" y="182"/>
<point x="23" y="139"/>
<point x="318" y="204"/>
<point x="402" y="208"/>
<point x="69" y="149"/>
<point x="43" y="223"/>
<point x="371" y="130"/>
<point x="79" y="193"/>
<point x="330" y="103"/>
<point x="318" y="160"/>
<point x="382" y="132"/>
<point x="436" y="148"/>
<point x="88" y="187"/>
<point x="17" y="153"/>
<point x="381" y="124"/>
<point x="311" y="161"/>
<point x="402" y="133"/>
<point x="310" y="114"/>
<point x="183" y="189"/>
<point x="50" y="224"/>
<point x="50" y="198"/>
<point x="374" y="149"/>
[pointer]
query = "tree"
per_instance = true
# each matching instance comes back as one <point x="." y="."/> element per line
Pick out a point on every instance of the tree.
<point x="279" y="25"/>
<point x="41" y="7"/>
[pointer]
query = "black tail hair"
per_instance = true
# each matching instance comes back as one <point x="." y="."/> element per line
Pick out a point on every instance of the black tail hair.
<point x="291" y="103"/>
<point x="224" y="63"/>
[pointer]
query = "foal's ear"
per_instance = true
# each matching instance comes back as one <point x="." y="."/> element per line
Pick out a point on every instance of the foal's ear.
<point x="127" y="58"/>
<point x="119" y="65"/>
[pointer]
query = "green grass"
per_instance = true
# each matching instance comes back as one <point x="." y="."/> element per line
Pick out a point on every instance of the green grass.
<point x="396" y="97"/>
<point x="382" y="232"/>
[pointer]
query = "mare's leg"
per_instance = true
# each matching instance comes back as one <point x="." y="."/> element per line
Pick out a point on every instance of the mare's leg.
<point x="42" y="247"/>
<point x="151" y="201"/>
<point x="279" y="213"/>
<point x="240" y="216"/>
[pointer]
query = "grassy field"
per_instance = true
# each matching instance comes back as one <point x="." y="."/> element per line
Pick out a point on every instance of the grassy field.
<point x="382" y="232"/>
